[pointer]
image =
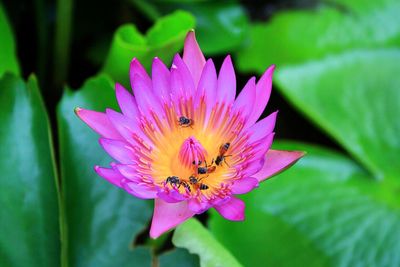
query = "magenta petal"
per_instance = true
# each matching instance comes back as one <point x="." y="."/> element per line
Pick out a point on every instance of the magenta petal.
<point x="177" y="86"/>
<point x="253" y="167"/>
<point x="186" y="77"/>
<point x="244" y="103"/>
<point x="145" y="98"/>
<point x="193" y="57"/>
<point x="233" y="209"/>
<point x="197" y="206"/>
<point x="119" y="150"/>
<point x="226" y="82"/>
<point x="126" y="101"/>
<point x="172" y="196"/>
<point x="99" y="122"/>
<point x="127" y="127"/>
<point x="136" y="69"/>
<point x="207" y="88"/>
<point x="277" y="161"/>
<point x="262" y="128"/>
<point x="129" y="171"/>
<point x="140" y="191"/>
<point x="110" y="175"/>
<point x="161" y="80"/>
<point x="168" y="215"/>
<point x="244" y="185"/>
<point x="262" y="146"/>
<point x="263" y="92"/>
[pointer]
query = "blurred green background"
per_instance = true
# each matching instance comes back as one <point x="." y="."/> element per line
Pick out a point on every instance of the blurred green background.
<point x="337" y="88"/>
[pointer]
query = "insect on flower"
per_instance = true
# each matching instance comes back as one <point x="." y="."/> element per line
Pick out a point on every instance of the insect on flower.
<point x="206" y="169"/>
<point x="154" y="157"/>
<point x="221" y="157"/>
<point x="185" y="122"/>
<point x="173" y="180"/>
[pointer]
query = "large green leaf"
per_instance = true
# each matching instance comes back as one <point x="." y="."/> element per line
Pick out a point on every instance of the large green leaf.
<point x="102" y="219"/>
<point x="324" y="211"/>
<point x="297" y="36"/>
<point x="163" y="40"/>
<point x="29" y="229"/>
<point x="355" y="97"/>
<point x="178" y="258"/>
<point x="8" y="57"/>
<point x="220" y="26"/>
<point x="198" y="240"/>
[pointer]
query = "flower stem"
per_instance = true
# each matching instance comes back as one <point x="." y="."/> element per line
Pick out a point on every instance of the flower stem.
<point x="42" y="37"/>
<point x="62" y="40"/>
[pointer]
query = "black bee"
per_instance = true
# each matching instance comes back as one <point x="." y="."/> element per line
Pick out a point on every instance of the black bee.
<point x="203" y="187"/>
<point x="185" y="122"/>
<point x="221" y="157"/>
<point x="193" y="180"/>
<point x="173" y="180"/>
<point x="206" y="169"/>
<point x="185" y="185"/>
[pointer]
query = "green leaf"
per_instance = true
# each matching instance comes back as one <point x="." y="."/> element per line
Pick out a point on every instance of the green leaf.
<point x="355" y="97"/>
<point x="29" y="226"/>
<point x="8" y="55"/>
<point x="197" y="239"/>
<point x="178" y="258"/>
<point x="324" y="211"/>
<point x="163" y="40"/>
<point x="293" y="37"/>
<point x="102" y="220"/>
<point x="220" y="26"/>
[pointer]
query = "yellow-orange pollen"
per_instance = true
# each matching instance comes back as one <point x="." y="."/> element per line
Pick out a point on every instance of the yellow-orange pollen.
<point x="187" y="145"/>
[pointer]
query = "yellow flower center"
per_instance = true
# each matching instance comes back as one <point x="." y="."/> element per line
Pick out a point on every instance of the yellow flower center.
<point x="186" y="140"/>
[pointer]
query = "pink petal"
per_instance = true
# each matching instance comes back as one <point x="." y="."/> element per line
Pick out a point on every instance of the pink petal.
<point x="126" y="101"/>
<point x="226" y="82"/>
<point x="207" y="88"/>
<point x="172" y="196"/>
<point x="253" y="167"/>
<point x="119" y="150"/>
<point x="136" y="69"/>
<point x="186" y="77"/>
<point x="99" y="122"/>
<point x="168" y="215"/>
<point x="140" y="191"/>
<point x="244" y="185"/>
<point x="262" y="128"/>
<point x="177" y="87"/>
<point x="145" y="98"/>
<point x="193" y="57"/>
<point x="246" y="98"/>
<point x="262" y="146"/>
<point x="161" y="80"/>
<point x="197" y="206"/>
<point x="263" y="92"/>
<point x="129" y="171"/>
<point x="277" y="161"/>
<point x="128" y="128"/>
<point x="233" y="209"/>
<point x="110" y="175"/>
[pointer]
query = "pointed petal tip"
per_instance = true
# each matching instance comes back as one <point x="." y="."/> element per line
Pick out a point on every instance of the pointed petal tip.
<point x="191" y="35"/>
<point x="232" y="210"/>
<point x="118" y="86"/>
<point x="77" y="111"/>
<point x="277" y="161"/>
<point x="167" y="216"/>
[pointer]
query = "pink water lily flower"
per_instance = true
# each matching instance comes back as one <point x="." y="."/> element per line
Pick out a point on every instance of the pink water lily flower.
<point x="184" y="140"/>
